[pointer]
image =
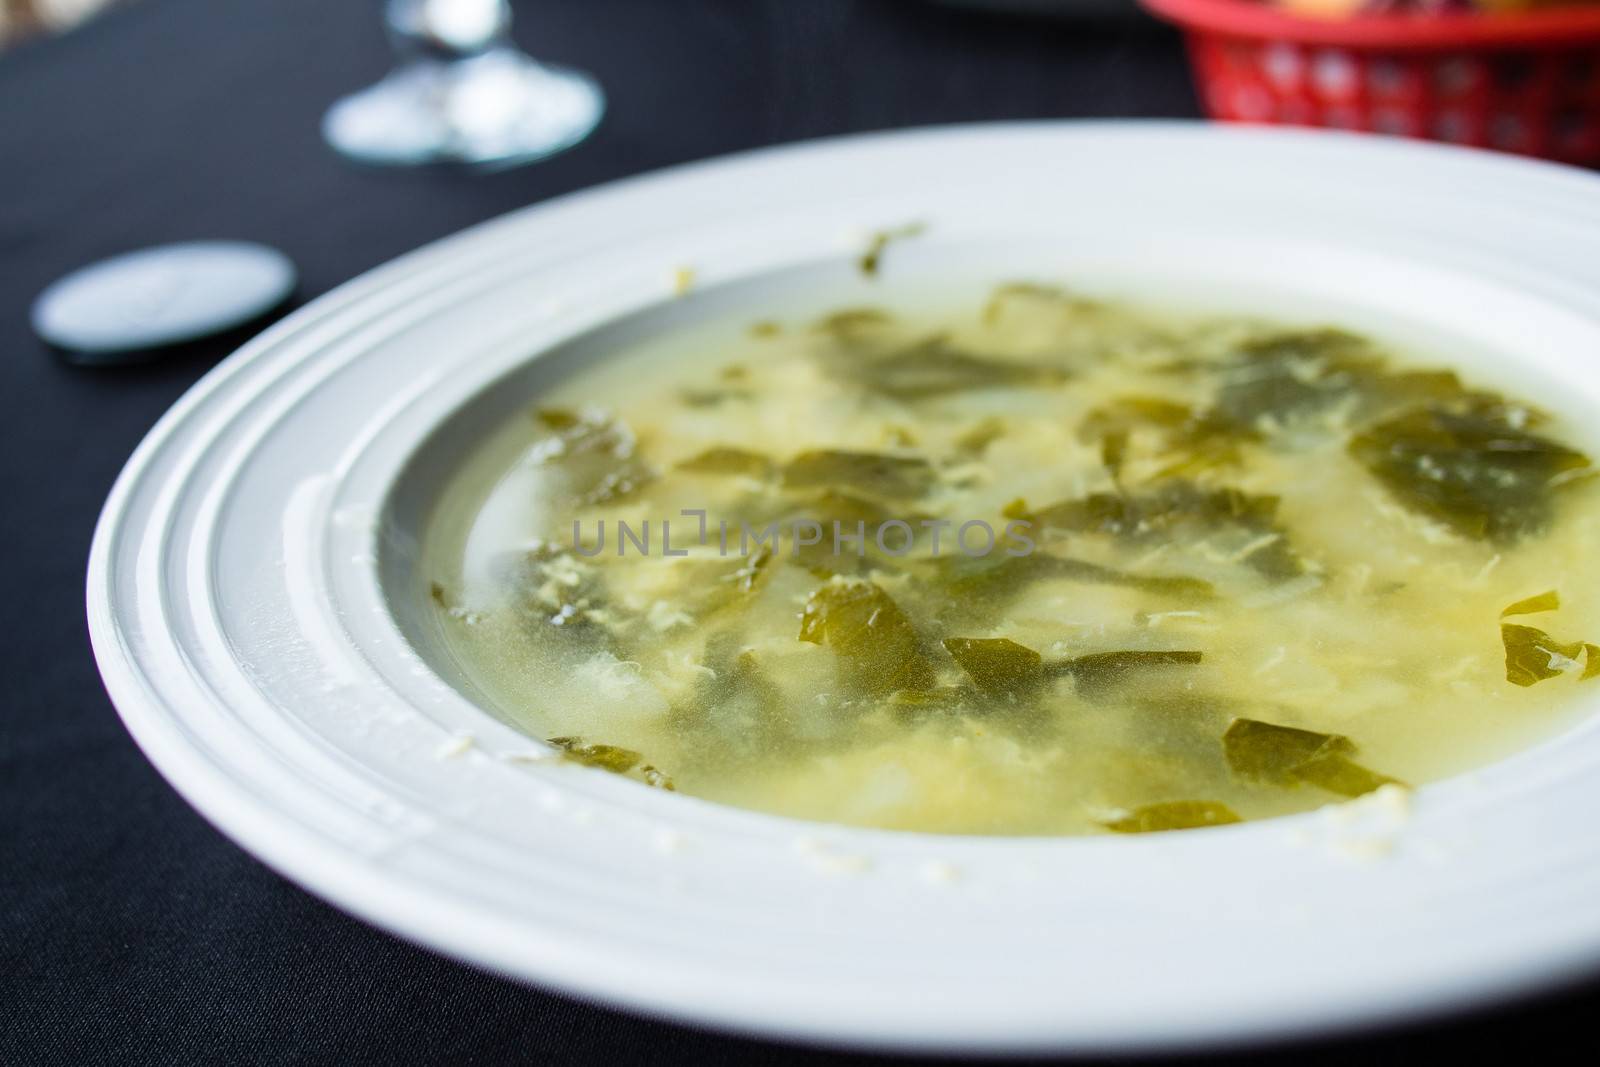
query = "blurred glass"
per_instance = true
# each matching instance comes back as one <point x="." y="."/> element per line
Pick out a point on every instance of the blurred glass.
<point x="462" y="93"/>
<point x="23" y="18"/>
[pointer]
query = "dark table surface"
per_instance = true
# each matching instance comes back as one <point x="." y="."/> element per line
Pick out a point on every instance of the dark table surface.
<point x="131" y="932"/>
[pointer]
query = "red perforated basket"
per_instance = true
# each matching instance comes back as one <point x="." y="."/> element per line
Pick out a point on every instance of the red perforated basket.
<point x="1520" y="82"/>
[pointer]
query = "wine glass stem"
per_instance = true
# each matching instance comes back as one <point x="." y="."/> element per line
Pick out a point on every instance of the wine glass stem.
<point x="462" y="93"/>
<point x="447" y="29"/>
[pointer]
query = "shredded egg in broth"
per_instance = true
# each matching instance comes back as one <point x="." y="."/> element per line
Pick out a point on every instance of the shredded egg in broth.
<point x="1061" y="567"/>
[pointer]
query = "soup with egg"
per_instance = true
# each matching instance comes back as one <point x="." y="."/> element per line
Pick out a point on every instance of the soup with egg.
<point x="1060" y="567"/>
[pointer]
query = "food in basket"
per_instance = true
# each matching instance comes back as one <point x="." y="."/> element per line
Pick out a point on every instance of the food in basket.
<point x="1519" y="76"/>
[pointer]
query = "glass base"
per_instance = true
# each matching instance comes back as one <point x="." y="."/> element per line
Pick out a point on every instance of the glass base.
<point x="497" y="109"/>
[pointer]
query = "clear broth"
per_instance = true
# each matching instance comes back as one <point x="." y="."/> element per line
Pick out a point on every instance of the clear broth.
<point x="1191" y="491"/>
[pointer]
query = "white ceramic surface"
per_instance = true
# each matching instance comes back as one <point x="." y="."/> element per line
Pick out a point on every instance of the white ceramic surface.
<point x="256" y="612"/>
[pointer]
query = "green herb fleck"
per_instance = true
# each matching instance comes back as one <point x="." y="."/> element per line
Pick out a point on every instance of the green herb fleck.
<point x="872" y="259"/>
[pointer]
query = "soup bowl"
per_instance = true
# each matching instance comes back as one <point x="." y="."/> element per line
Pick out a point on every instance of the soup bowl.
<point x="259" y="604"/>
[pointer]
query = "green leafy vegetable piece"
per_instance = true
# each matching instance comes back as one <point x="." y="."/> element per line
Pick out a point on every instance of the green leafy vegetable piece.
<point x="1285" y="378"/>
<point x="1173" y="585"/>
<point x="558" y="420"/>
<point x="997" y="576"/>
<point x="996" y="665"/>
<point x="1591" y="661"/>
<point x="870" y="356"/>
<point x="1158" y="509"/>
<point x="736" y="707"/>
<point x="1197" y="451"/>
<point x="1549" y="601"/>
<point x="560" y="596"/>
<point x="993" y="577"/>
<point x="935" y="367"/>
<point x="1182" y="510"/>
<point x="1100" y="662"/>
<point x="1294" y="374"/>
<point x="1397" y="389"/>
<point x="1188" y="440"/>
<point x="611" y="758"/>
<point x="897" y="477"/>
<point x="1339" y="774"/>
<point x="976" y="439"/>
<point x="1013" y="293"/>
<point x="910" y="705"/>
<point x="1267" y="752"/>
<point x="850" y="325"/>
<point x="711" y="398"/>
<point x="1330" y="347"/>
<point x="854" y="513"/>
<point x="1533" y="655"/>
<point x="710" y="586"/>
<point x="596" y="454"/>
<point x="872" y="259"/>
<point x="603" y="757"/>
<point x="847" y="509"/>
<point x="1475" y="471"/>
<point x="1135" y="413"/>
<point x="872" y="637"/>
<point x="1301" y="372"/>
<point x="1114" y="451"/>
<point x="1287" y="755"/>
<point x="1100" y="672"/>
<point x="1015" y="714"/>
<point x="726" y="460"/>
<point x="1174" y="815"/>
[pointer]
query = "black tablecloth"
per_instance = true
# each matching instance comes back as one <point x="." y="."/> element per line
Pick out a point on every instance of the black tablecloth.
<point x="130" y="931"/>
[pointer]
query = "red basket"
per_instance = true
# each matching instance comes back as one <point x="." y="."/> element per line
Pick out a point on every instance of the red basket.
<point x="1520" y="82"/>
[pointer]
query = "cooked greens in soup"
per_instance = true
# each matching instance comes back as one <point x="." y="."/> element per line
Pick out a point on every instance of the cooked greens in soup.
<point x="1062" y="567"/>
